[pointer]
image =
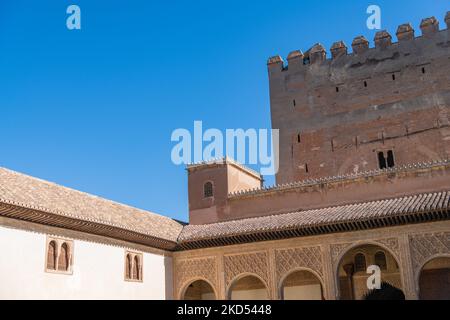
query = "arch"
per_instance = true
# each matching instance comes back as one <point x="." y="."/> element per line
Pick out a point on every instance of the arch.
<point x="63" y="260"/>
<point x="394" y="277"/>
<point x="206" y="290"/>
<point x="136" y="265"/>
<point x="257" y="288"/>
<point x="438" y="277"/>
<point x="310" y="293"/>
<point x="380" y="260"/>
<point x="52" y="255"/>
<point x="128" y="266"/>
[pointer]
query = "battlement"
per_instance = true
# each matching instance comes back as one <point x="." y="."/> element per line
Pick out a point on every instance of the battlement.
<point x="360" y="45"/>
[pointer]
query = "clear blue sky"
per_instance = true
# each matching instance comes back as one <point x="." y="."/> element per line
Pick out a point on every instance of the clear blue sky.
<point x="94" y="109"/>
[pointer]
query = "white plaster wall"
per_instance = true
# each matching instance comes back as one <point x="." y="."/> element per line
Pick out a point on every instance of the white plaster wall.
<point x="98" y="271"/>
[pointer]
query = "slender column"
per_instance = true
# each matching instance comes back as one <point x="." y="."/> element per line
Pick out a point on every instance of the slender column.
<point x="273" y="285"/>
<point x="329" y="277"/>
<point x="221" y="290"/>
<point x="406" y="269"/>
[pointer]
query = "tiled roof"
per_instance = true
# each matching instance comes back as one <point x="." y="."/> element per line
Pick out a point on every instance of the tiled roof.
<point x="340" y="178"/>
<point x="23" y="191"/>
<point x="365" y="215"/>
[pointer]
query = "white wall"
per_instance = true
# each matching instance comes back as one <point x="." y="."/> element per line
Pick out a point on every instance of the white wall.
<point x="98" y="271"/>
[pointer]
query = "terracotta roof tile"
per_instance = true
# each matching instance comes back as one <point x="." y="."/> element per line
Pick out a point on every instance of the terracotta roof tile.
<point x="419" y="203"/>
<point x="28" y="192"/>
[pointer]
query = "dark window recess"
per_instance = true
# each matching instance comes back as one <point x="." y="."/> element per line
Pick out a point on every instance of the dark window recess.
<point x="299" y="138"/>
<point x="360" y="263"/>
<point x="423" y="70"/>
<point x="365" y="84"/>
<point x="208" y="190"/>
<point x="390" y="159"/>
<point x="306" y="168"/>
<point x="386" y="161"/>
<point x="393" y="77"/>
<point x="306" y="60"/>
<point x="294" y="103"/>
<point x="381" y="160"/>
<point x="337" y="89"/>
<point x="380" y="260"/>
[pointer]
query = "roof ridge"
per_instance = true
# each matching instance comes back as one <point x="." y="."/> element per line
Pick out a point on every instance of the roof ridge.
<point x="93" y="196"/>
<point x="311" y="182"/>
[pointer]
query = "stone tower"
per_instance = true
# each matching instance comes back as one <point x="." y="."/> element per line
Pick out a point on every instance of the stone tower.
<point x="370" y="109"/>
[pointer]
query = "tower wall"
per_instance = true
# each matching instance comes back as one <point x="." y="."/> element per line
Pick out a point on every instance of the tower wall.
<point x="337" y="115"/>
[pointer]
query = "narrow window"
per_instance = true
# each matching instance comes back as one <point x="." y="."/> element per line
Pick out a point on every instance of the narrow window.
<point x="299" y="138"/>
<point x="63" y="262"/>
<point x="208" y="189"/>
<point x="365" y="84"/>
<point x="136" y="266"/>
<point x="393" y="77"/>
<point x="51" y="256"/>
<point x="337" y="89"/>
<point x="380" y="260"/>
<point x="360" y="263"/>
<point x="306" y="168"/>
<point x="294" y="103"/>
<point x="128" y="264"/>
<point x="423" y="70"/>
<point x="390" y="159"/>
<point x="381" y="160"/>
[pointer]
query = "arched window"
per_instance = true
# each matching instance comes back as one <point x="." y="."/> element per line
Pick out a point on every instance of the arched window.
<point x="380" y="260"/>
<point x="128" y="267"/>
<point x="360" y="263"/>
<point x="51" y="256"/>
<point x="136" y="266"/>
<point x="208" y="189"/>
<point x="63" y="262"/>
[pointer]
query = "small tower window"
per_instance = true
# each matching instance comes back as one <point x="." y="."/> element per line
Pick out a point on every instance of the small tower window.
<point x="381" y="160"/>
<point x="294" y="103"/>
<point x="299" y="138"/>
<point x="386" y="160"/>
<point x="337" y="89"/>
<point x="393" y="77"/>
<point x="208" y="191"/>
<point x="423" y="70"/>
<point x="390" y="159"/>
<point x="365" y="84"/>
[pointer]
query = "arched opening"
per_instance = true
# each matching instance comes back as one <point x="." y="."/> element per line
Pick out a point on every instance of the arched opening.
<point x="434" y="280"/>
<point x="248" y="288"/>
<point x="353" y="276"/>
<point x="301" y="285"/>
<point x="63" y="262"/>
<point x="136" y="268"/>
<point x="51" y="256"/>
<point x="128" y="267"/>
<point x="199" y="290"/>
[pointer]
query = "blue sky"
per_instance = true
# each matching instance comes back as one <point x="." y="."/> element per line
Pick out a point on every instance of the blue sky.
<point x="94" y="109"/>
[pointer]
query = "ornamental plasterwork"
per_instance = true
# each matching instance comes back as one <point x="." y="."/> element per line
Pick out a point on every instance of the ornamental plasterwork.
<point x="192" y="269"/>
<point x="290" y="259"/>
<point x="256" y="263"/>
<point x="427" y="245"/>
